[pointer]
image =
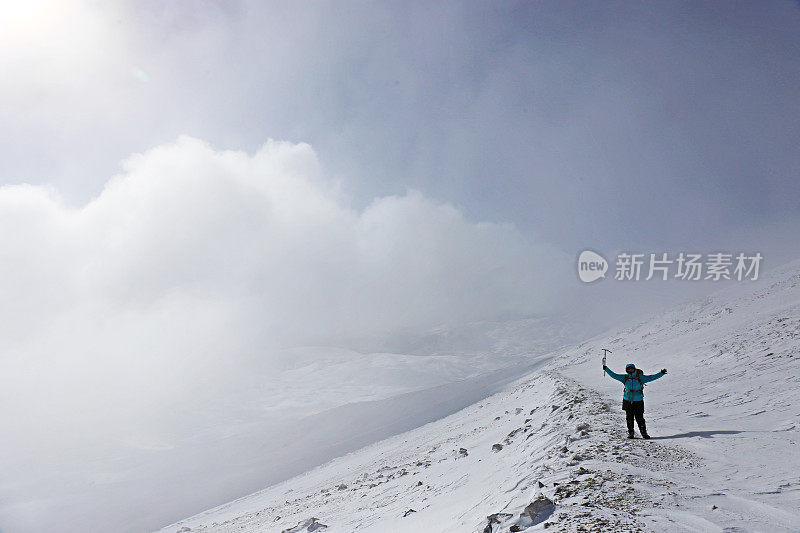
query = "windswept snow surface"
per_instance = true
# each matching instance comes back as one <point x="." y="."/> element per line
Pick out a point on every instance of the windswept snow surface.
<point x="724" y="456"/>
<point x="299" y="408"/>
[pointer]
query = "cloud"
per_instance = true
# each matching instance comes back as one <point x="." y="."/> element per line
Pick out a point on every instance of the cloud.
<point x="193" y="264"/>
<point x="266" y="239"/>
<point x="140" y="311"/>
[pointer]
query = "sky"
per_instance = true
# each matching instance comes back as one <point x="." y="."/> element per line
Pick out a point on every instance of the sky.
<point x="610" y="125"/>
<point x="650" y="127"/>
<point x="188" y="187"/>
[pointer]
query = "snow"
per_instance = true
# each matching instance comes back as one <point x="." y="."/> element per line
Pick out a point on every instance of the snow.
<point x="296" y="411"/>
<point x="724" y="456"/>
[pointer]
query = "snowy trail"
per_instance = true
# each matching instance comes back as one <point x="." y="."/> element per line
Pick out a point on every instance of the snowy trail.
<point x="731" y="397"/>
<point x="549" y="451"/>
<point x="571" y="442"/>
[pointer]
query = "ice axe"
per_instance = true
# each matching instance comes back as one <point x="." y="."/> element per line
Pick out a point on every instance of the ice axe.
<point x="606" y="351"/>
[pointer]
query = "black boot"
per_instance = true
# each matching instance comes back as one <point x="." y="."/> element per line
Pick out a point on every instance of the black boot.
<point x="643" y="431"/>
<point x="630" y="434"/>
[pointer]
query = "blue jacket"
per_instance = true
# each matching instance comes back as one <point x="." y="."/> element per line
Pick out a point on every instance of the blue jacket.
<point x="633" y="388"/>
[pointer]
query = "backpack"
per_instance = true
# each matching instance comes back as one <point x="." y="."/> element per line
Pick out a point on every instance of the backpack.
<point x="638" y="377"/>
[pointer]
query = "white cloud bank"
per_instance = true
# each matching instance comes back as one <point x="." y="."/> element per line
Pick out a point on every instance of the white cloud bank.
<point x="192" y="254"/>
<point x="260" y="243"/>
<point x="193" y="265"/>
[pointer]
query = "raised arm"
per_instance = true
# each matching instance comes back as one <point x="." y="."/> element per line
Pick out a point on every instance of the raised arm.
<point x="652" y="377"/>
<point x="618" y="377"/>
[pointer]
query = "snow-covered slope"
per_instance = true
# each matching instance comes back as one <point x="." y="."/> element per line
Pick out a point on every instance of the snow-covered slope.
<point x="323" y="402"/>
<point x="724" y="457"/>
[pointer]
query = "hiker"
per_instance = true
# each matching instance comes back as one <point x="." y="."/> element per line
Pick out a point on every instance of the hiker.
<point x="633" y="397"/>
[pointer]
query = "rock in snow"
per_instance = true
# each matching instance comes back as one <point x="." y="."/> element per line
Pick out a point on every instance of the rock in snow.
<point x="539" y="509"/>
<point x="312" y="524"/>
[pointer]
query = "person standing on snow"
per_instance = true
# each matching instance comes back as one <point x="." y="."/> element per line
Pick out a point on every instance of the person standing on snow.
<point x="633" y="397"/>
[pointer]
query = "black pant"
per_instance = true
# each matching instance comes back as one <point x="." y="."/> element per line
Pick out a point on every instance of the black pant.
<point x="634" y="409"/>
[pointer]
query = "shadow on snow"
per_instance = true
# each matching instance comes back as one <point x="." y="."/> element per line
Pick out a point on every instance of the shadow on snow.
<point x="704" y="434"/>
